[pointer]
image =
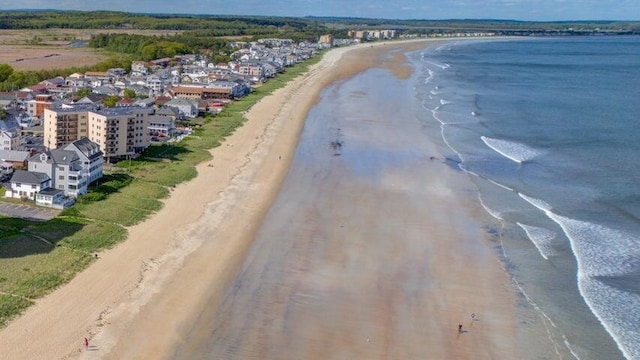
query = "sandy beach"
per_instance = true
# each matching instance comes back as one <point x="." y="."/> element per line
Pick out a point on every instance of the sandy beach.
<point x="144" y="298"/>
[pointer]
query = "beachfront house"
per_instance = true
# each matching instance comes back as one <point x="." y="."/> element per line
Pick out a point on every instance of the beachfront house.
<point x="53" y="198"/>
<point x="161" y="126"/>
<point x="26" y="184"/>
<point x="64" y="169"/>
<point x="186" y="107"/>
<point x="91" y="159"/>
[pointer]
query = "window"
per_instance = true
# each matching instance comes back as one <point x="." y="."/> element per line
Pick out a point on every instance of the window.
<point x="61" y="177"/>
<point x="33" y="186"/>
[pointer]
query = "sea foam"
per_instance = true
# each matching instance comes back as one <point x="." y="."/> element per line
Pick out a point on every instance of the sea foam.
<point x="511" y="150"/>
<point x="603" y="257"/>
<point x="540" y="204"/>
<point x="542" y="239"/>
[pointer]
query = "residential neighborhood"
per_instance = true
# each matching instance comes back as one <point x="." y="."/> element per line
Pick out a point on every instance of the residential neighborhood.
<point x="56" y="135"/>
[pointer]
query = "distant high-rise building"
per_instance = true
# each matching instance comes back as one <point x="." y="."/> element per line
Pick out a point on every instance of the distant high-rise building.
<point x="326" y="39"/>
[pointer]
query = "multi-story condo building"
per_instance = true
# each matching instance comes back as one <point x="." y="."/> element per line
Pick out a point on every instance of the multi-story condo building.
<point x="119" y="132"/>
<point x="41" y="102"/>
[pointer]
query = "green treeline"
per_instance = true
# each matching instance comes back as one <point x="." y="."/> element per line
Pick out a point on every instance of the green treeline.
<point x="220" y="25"/>
<point x="204" y="27"/>
<point x="142" y="47"/>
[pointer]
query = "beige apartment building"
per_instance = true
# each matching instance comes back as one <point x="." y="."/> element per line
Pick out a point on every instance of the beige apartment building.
<point x="120" y="132"/>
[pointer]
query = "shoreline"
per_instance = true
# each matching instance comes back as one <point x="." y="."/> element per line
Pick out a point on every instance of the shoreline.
<point x="145" y="293"/>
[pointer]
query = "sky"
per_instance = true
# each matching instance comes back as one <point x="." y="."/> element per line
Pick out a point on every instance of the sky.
<point x="530" y="10"/>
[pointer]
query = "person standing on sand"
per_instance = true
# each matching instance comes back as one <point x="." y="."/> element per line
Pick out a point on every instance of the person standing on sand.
<point x="86" y="342"/>
<point x="459" y="328"/>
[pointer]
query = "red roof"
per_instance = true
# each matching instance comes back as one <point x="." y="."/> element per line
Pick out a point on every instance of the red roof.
<point x="126" y="101"/>
<point x="161" y="100"/>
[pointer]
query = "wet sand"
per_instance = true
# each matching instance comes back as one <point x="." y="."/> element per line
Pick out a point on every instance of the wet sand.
<point x="369" y="251"/>
<point x="203" y="276"/>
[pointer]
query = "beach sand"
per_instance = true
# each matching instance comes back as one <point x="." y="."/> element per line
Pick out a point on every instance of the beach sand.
<point x="144" y="298"/>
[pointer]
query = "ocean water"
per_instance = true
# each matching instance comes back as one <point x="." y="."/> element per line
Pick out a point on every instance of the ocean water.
<point x="548" y="130"/>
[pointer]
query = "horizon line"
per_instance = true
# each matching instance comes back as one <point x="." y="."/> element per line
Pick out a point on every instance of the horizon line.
<point x="177" y="14"/>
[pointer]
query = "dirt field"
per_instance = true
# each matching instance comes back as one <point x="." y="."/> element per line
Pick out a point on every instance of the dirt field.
<point x="55" y="48"/>
<point x="47" y="57"/>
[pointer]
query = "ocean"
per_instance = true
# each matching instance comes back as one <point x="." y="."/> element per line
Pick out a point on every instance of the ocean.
<point x="547" y="129"/>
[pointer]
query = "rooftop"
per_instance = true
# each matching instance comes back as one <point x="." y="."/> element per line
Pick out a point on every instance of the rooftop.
<point x="29" y="177"/>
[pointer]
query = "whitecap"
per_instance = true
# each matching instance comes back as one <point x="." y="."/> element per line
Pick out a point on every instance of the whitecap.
<point x="603" y="254"/>
<point x="540" y="204"/>
<point x="500" y="185"/>
<point x="541" y="238"/>
<point x="430" y="77"/>
<point x="490" y="211"/>
<point x="511" y="150"/>
<point x="601" y="251"/>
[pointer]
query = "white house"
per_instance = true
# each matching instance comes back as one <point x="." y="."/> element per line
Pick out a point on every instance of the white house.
<point x="52" y="198"/>
<point x="91" y="158"/>
<point x="26" y="184"/>
<point x="64" y="169"/>
<point x="162" y="126"/>
<point x="138" y="68"/>
<point x="186" y="107"/>
<point x="9" y="139"/>
<point x="155" y="83"/>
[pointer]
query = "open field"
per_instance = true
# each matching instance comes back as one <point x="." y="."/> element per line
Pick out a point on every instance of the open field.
<point x="54" y="48"/>
<point x="65" y="36"/>
<point x="48" y="57"/>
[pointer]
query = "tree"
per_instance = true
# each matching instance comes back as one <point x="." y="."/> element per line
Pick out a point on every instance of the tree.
<point x="5" y="72"/>
<point x="111" y="100"/>
<point x="81" y="93"/>
<point x="129" y="93"/>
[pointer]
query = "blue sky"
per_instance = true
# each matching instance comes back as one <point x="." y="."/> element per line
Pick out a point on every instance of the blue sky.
<point x="540" y="10"/>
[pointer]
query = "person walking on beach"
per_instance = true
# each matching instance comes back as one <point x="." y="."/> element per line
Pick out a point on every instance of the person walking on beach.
<point x="86" y="342"/>
<point x="459" y="328"/>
